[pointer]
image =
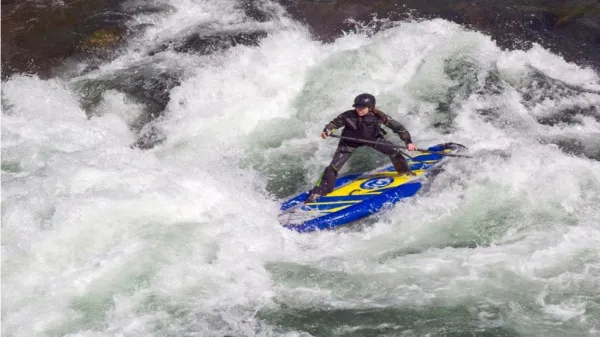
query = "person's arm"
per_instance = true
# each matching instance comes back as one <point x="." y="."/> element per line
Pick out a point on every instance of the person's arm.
<point x="335" y="124"/>
<point x="399" y="129"/>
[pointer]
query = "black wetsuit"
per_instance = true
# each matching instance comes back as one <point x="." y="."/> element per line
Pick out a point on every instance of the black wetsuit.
<point x="367" y="127"/>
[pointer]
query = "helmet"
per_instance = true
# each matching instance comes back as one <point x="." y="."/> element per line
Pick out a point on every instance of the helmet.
<point x="364" y="100"/>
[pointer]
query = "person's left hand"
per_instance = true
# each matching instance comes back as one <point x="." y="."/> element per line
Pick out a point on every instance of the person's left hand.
<point x="411" y="147"/>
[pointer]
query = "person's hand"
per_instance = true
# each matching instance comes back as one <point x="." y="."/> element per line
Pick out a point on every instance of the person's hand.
<point x="411" y="147"/>
<point x="324" y="135"/>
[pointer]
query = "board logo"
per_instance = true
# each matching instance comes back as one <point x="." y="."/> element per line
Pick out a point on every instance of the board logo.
<point x="376" y="183"/>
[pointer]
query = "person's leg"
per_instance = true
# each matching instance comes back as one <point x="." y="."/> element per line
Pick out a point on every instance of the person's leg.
<point x="398" y="160"/>
<point x="327" y="181"/>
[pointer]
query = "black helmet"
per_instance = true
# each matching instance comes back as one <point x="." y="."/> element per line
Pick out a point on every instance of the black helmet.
<point x="364" y="100"/>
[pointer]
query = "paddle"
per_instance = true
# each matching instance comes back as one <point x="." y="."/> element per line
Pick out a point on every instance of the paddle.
<point x="358" y="140"/>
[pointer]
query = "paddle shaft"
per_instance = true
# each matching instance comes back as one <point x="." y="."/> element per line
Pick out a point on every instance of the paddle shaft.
<point x="358" y="140"/>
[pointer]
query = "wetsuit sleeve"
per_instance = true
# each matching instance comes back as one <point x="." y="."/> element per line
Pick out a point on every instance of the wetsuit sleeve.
<point x="398" y="128"/>
<point x="335" y="124"/>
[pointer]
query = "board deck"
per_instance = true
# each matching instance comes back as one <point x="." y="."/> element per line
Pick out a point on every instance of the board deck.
<point x="358" y="195"/>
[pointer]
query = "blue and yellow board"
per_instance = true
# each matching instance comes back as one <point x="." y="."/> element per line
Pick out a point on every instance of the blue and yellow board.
<point x="356" y="196"/>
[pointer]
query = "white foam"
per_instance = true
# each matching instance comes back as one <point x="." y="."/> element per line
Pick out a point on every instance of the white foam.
<point x="101" y="239"/>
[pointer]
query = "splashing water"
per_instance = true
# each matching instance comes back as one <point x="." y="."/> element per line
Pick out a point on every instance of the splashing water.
<point x="101" y="238"/>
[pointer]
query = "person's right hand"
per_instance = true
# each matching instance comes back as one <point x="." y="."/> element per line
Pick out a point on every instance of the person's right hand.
<point x="324" y="135"/>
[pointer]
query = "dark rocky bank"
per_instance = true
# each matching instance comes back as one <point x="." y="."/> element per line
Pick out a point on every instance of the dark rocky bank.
<point x="39" y="36"/>
<point x="569" y="28"/>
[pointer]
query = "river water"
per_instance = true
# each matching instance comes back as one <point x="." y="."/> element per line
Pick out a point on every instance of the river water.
<point x="179" y="237"/>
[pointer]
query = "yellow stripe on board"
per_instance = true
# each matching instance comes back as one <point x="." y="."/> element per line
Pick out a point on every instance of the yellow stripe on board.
<point x="354" y="188"/>
<point x="335" y="202"/>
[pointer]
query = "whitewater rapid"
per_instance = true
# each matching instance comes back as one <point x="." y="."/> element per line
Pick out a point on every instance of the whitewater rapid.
<point x="100" y="238"/>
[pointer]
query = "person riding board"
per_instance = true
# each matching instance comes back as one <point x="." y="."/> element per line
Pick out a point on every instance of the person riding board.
<point x="363" y="122"/>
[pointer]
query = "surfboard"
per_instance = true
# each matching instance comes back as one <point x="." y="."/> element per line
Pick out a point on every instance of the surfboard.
<point x="356" y="196"/>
